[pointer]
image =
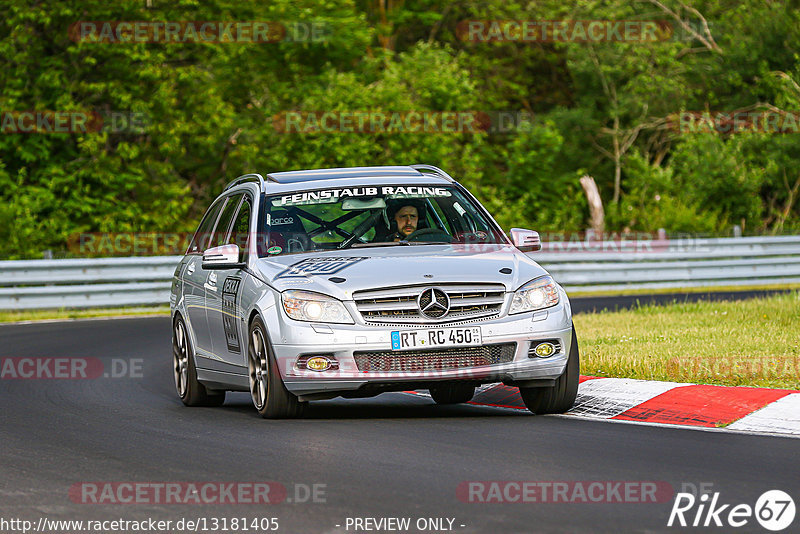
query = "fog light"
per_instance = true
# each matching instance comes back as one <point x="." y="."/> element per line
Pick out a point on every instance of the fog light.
<point x="318" y="363"/>
<point x="544" y="350"/>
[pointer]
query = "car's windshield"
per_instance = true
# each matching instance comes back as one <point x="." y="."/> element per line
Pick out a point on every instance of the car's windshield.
<point x="371" y="216"/>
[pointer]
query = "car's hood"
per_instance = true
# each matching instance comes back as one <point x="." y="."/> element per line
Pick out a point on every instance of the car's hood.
<point x="340" y="273"/>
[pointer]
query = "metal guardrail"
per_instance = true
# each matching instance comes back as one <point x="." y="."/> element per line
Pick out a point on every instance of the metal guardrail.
<point x="673" y="263"/>
<point x="86" y="283"/>
<point x="580" y="266"/>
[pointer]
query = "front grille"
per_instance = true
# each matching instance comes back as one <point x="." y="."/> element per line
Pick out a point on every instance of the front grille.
<point x="449" y="324"/>
<point x="399" y="305"/>
<point x="434" y="360"/>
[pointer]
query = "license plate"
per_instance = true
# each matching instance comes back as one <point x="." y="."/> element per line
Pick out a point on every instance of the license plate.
<point x="436" y="337"/>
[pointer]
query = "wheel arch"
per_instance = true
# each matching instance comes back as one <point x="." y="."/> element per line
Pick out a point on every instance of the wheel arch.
<point x="253" y="314"/>
<point x="264" y="304"/>
<point x="188" y="331"/>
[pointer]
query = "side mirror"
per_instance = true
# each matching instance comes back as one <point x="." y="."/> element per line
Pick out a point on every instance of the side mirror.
<point x="526" y="240"/>
<point x="223" y="257"/>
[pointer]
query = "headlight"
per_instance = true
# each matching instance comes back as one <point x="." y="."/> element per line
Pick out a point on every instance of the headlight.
<point x="535" y="295"/>
<point x="315" y="307"/>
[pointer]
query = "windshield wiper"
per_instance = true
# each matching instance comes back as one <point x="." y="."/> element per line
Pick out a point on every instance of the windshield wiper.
<point x="402" y="242"/>
<point x="381" y="244"/>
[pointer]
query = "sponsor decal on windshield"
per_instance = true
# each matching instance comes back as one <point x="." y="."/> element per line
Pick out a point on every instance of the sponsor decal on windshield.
<point x="326" y="196"/>
<point x="279" y="221"/>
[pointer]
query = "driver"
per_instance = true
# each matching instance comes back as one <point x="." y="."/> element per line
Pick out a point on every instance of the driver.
<point x="406" y="217"/>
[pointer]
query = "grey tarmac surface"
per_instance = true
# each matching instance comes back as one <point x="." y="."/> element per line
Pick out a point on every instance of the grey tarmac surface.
<point x="395" y="455"/>
<point x="625" y="302"/>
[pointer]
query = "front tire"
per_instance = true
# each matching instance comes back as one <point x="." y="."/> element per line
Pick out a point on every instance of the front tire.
<point x="560" y="397"/>
<point x="452" y="393"/>
<point x="190" y="391"/>
<point x="270" y="396"/>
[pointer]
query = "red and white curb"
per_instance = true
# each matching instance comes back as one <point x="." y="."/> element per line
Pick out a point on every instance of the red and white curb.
<point x="743" y="409"/>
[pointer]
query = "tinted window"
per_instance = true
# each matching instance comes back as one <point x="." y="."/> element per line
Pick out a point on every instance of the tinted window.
<point x="241" y="225"/>
<point x="203" y="233"/>
<point x="223" y="226"/>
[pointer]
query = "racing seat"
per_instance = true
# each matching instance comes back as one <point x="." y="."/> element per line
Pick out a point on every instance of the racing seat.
<point x="287" y="231"/>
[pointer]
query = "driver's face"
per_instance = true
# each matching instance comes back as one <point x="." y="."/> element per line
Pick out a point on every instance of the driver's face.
<point x="406" y="218"/>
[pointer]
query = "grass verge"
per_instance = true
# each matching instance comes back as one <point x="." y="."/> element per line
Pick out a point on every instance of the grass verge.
<point x="677" y="291"/>
<point x="44" y="315"/>
<point x="754" y="342"/>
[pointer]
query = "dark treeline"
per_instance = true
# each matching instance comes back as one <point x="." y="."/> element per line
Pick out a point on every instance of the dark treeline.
<point x="652" y="118"/>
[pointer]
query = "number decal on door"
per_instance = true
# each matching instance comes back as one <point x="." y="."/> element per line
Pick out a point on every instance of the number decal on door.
<point x="230" y="313"/>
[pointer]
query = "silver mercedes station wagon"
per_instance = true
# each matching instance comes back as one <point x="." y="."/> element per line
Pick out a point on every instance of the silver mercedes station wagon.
<point x="309" y="285"/>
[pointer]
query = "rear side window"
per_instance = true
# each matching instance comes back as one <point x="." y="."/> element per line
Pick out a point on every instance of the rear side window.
<point x="203" y="233"/>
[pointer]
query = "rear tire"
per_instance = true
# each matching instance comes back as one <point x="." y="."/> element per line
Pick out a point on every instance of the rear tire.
<point x="452" y="393"/>
<point x="190" y="391"/>
<point x="560" y="397"/>
<point x="270" y="396"/>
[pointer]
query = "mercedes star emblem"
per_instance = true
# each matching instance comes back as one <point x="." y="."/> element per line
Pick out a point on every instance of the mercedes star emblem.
<point x="433" y="303"/>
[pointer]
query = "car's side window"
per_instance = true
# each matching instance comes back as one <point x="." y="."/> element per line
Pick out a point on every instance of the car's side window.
<point x="203" y="234"/>
<point x="223" y="225"/>
<point x="241" y="225"/>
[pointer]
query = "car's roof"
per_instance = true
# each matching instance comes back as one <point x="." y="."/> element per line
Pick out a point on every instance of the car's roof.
<point x="289" y="181"/>
<point x="291" y="177"/>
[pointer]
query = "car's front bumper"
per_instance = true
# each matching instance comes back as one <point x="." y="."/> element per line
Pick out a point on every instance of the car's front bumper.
<point x="342" y="341"/>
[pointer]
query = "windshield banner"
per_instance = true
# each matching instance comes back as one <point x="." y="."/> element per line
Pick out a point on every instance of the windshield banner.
<point x="326" y="196"/>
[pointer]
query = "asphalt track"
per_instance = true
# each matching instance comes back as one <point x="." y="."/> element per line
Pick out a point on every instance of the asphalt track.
<point x="624" y="302"/>
<point x="395" y="455"/>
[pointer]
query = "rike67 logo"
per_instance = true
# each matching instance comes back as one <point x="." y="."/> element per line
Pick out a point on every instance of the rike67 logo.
<point x="774" y="510"/>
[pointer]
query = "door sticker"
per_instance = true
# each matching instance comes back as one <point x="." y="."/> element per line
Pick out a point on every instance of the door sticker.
<point x="230" y="291"/>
